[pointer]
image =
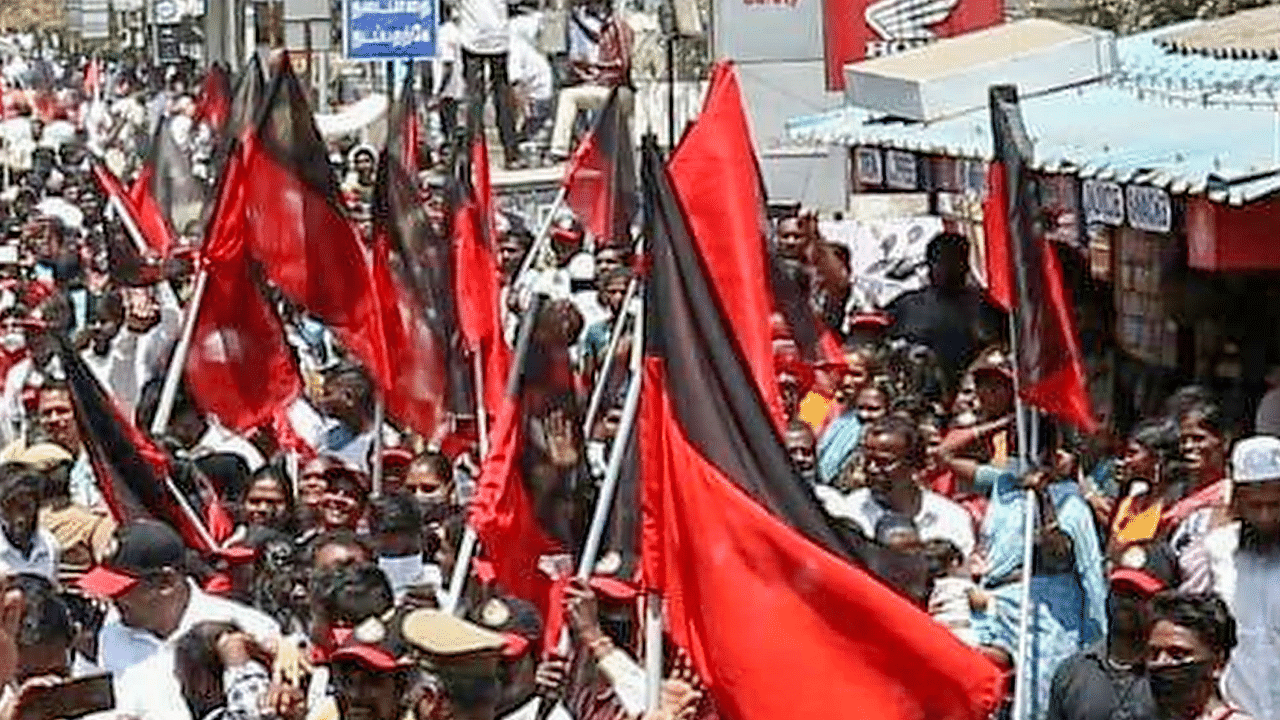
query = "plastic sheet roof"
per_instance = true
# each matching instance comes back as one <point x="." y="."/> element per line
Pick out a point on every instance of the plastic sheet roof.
<point x="1186" y="123"/>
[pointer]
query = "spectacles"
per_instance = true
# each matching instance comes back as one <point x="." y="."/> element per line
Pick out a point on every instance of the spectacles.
<point x="876" y="465"/>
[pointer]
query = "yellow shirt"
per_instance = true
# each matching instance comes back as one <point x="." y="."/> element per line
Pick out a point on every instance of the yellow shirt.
<point x="1131" y="527"/>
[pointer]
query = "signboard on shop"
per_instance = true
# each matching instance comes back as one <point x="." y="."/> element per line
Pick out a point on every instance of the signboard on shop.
<point x="1103" y="202"/>
<point x="859" y="29"/>
<point x="1149" y="208"/>
<point x="390" y="29"/>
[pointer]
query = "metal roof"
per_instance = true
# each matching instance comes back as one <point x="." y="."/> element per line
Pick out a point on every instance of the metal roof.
<point x="1187" y="123"/>
<point x="1247" y="34"/>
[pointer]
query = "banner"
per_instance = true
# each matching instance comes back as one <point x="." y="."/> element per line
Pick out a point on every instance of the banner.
<point x="859" y="29"/>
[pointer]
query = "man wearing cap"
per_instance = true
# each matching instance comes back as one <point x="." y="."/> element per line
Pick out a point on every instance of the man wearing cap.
<point x="1243" y="559"/>
<point x="463" y="658"/>
<point x="84" y="536"/>
<point x="371" y="674"/>
<point x="1106" y="681"/>
<point x="25" y="547"/>
<point x="155" y="602"/>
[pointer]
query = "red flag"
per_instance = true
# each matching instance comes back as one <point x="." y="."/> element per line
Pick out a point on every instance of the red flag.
<point x="502" y="510"/>
<point x="296" y="228"/>
<point x="214" y="103"/>
<point x="756" y="579"/>
<point x="239" y="367"/>
<point x="995" y="232"/>
<point x="599" y="181"/>
<point x="716" y="177"/>
<point x="1050" y="365"/>
<point x="137" y="204"/>
<point x="416" y="395"/>
<point x="413" y="273"/>
<point x="477" y="285"/>
<point x="130" y="470"/>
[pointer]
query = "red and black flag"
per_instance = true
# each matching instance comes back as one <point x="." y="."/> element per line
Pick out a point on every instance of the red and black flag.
<point x="600" y="181"/>
<point x="137" y="210"/>
<point x="477" y="283"/>
<point x="297" y="230"/>
<point x="413" y="265"/>
<point x="1050" y="369"/>
<point x="715" y="175"/>
<point x="504" y="510"/>
<point x="130" y="470"/>
<point x="733" y="536"/>
<point x="167" y="181"/>
<point x="239" y="367"/>
<point x="213" y="105"/>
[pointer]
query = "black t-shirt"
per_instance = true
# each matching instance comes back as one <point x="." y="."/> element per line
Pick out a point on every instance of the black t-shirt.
<point x="956" y="326"/>
<point x="1087" y="687"/>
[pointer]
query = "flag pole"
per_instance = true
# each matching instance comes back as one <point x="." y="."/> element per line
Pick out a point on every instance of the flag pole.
<point x="652" y="649"/>
<point x="544" y="233"/>
<point x="467" y="548"/>
<point x="169" y="391"/>
<point x="379" y="417"/>
<point x="615" y="337"/>
<point x="630" y="408"/>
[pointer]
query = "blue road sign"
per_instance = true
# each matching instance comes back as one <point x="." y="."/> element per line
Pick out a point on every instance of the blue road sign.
<point x="390" y="29"/>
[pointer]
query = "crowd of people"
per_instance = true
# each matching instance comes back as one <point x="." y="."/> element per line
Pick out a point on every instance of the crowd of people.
<point x="1152" y="587"/>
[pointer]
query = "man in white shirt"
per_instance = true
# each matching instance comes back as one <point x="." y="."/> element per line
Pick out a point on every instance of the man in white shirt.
<point x="1244" y="567"/>
<point x="155" y="603"/>
<point x="894" y="453"/>
<point x="24" y="546"/>
<point x="531" y="77"/>
<point x="482" y="25"/>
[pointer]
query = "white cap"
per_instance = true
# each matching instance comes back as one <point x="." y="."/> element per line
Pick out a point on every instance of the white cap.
<point x="1256" y="459"/>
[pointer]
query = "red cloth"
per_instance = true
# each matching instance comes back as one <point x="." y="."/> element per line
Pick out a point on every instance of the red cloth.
<point x="503" y="516"/>
<point x="717" y="179"/>
<point x="239" y="367"/>
<point x="1049" y="360"/>
<point x="214" y="103"/>
<point x="415" y="396"/>
<point x="777" y="626"/>
<point x="1206" y="497"/>
<point x="599" y="180"/>
<point x="995" y="233"/>
<point x="138" y="204"/>
<point x="476" y="289"/>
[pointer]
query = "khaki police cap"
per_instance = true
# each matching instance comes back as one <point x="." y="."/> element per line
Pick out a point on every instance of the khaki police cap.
<point x="450" y="644"/>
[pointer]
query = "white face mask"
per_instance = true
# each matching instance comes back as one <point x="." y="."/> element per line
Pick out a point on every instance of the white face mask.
<point x="405" y="571"/>
<point x="13" y="341"/>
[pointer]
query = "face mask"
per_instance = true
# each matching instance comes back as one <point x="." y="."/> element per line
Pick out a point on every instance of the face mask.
<point x="1178" y="689"/>
<point x="13" y="341"/>
<point x="403" y="571"/>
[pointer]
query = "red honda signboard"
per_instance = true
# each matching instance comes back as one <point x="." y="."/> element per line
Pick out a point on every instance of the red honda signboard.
<point x="858" y="29"/>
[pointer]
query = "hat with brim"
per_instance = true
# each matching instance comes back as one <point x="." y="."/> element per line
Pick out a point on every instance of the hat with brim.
<point x="1137" y="581"/>
<point x="104" y="582"/>
<point x="369" y="644"/>
<point x="142" y="547"/>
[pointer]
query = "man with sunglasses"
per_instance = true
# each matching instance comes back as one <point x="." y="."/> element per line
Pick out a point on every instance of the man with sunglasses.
<point x="893" y="456"/>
